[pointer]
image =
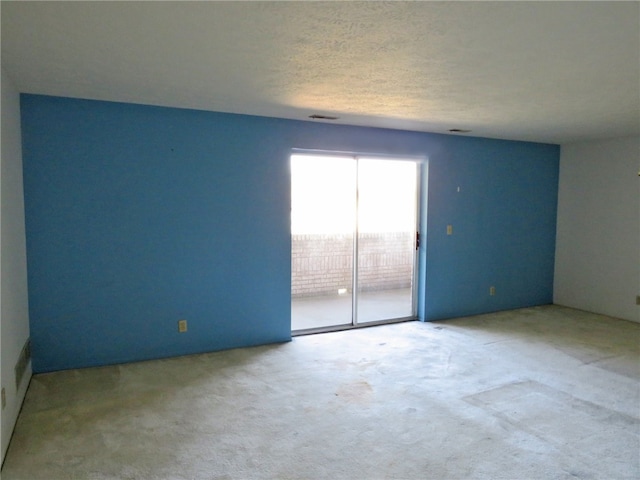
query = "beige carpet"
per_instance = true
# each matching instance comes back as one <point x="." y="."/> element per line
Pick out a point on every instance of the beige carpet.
<point x="538" y="393"/>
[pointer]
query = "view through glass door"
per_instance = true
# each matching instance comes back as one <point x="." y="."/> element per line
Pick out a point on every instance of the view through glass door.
<point x="386" y="230"/>
<point x="346" y="208"/>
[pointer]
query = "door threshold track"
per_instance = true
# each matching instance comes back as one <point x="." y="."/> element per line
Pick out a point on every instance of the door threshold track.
<point x="339" y="328"/>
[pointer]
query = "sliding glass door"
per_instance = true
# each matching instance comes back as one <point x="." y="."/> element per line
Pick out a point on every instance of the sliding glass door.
<point x="353" y="228"/>
<point x="386" y="239"/>
<point x="323" y="212"/>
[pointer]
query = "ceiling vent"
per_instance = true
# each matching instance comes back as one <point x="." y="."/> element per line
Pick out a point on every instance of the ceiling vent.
<point x="315" y="116"/>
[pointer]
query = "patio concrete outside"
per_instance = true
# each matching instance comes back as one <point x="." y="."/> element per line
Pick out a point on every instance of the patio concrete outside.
<point x="335" y="310"/>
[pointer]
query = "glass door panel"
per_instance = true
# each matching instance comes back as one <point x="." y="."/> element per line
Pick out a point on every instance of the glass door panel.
<point x="323" y="215"/>
<point x="386" y="230"/>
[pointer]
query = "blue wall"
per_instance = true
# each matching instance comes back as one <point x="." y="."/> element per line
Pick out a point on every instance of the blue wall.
<point x="138" y="216"/>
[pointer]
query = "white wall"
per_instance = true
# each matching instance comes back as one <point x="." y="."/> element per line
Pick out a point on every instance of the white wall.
<point x="14" y="315"/>
<point x="598" y="238"/>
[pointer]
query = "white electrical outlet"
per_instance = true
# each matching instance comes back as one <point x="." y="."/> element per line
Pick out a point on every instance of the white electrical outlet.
<point x="182" y="326"/>
<point x="492" y="291"/>
<point x="449" y="229"/>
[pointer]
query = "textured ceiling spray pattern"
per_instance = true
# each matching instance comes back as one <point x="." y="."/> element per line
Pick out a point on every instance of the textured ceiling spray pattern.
<point x="542" y="71"/>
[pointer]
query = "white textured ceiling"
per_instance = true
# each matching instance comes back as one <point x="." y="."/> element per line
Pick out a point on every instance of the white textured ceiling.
<point x="542" y="71"/>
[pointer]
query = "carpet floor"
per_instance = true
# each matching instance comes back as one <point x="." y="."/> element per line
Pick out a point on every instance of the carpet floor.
<point x="537" y="393"/>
